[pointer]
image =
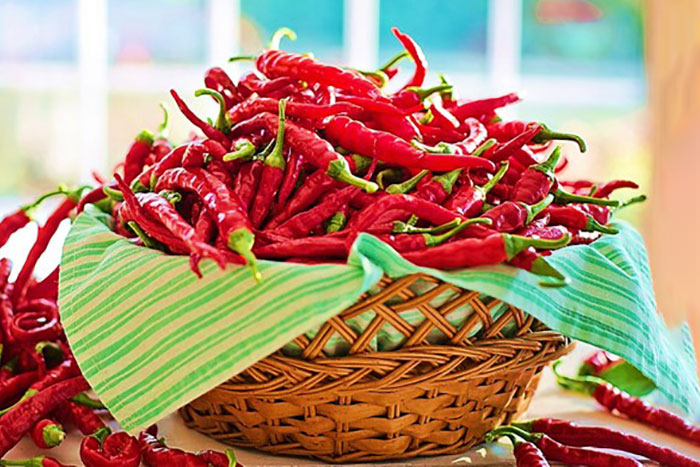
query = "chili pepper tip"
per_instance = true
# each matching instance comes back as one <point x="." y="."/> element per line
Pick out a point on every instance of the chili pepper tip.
<point x="241" y="241"/>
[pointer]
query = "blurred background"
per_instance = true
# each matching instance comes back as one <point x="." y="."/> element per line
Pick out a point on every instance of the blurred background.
<point x="80" y="78"/>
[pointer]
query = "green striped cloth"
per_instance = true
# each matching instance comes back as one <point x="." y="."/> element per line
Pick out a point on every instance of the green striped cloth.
<point x="150" y="337"/>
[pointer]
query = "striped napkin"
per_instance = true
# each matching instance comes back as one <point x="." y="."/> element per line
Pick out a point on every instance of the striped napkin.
<point x="150" y="337"/>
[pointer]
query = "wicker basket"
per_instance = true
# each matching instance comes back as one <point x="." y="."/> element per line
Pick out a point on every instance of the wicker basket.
<point x="419" y="400"/>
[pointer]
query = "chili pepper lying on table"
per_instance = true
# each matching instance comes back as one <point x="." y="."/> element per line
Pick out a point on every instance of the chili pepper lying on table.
<point x="526" y="454"/>
<point x="598" y="362"/>
<point x="156" y="454"/>
<point x="39" y="461"/>
<point x="47" y="434"/>
<point x="105" y="449"/>
<point x="615" y="400"/>
<point x="552" y="450"/>
<point x="573" y="434"/>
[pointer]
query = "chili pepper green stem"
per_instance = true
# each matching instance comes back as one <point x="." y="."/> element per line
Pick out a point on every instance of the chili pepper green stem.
<point x="116" y="195"/>
<point x="32" y="462"/>
<point x="362" y="163"/>
<point x="53" y="435"/>
<point x="514" y="244"/>
<point x="582" y="384"/>
<point x="392" y="174"/>
<point x="534" y="209"/>
<point x="87" y="401"/>
<point x="278" y="35"/>
<point x="545" y="134"/>
<point x="145" y="136"/>
<point x="137" y="186"/>
<point x="143" y="236"/>
<point x="173" y="197"/>
<point x="231" y="456"/>
<point x="241" y="241"/>
<point x="394" y="60"/>
<point x="163" y="125"/>
<point x="448" y="180"/>
<point x="527" y="426"/>
<point x="423" y="93"/>
<point x="541" y="267"/>
<point x="485" y="146"/>
<point x="635" y="200"/>
<point x="563" y="197"/>
<point x="488" y="186"/>
<point x="547" y="167"/>
<point x="434" y="240"/>
<point x="594" y="225"/>
<point x="408" y="185"/>
<point x="339" y="170"/>
<point x="276" y="158"/>
<point x="102" y="433"/>
<point x="404" y="227"/>
<point x="413" y="220"/>
<point x="511" y="430"/>
<point x="30" y="208"/>
<point x="336" y="222"/>
<point x="244" y="150"/>
<point x="223" y="121"/>
<point x="240" y="58"/>
<point x="379" y="75"/>
<point x="443" y="80"/>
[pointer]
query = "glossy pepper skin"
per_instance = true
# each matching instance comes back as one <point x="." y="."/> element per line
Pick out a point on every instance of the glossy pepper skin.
<point x="469" y="199"/>
<point x="84" y="418"/>
<point x="47" y="434"/>
<point x="314" y="187"/>
<point x="137" y="154"/>
<point x="418" y="57"/>
<point x="156" y="454"/>
<point x="573" y="434"/>
<point x="303" y="223"/>
<point x="250" y="108"/>
<point x="482" y="107"/>
<point x="327" y="246"/>
<point x="117" y="450"/>
<point x="511" y="216"/>
<point x="246" y="183"/>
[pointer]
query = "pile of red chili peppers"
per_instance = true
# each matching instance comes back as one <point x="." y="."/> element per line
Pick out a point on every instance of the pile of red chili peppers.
<point x="304" y="156"/>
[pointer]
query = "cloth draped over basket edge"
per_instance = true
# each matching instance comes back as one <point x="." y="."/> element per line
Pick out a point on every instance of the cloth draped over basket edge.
<point x="150" y="337"/>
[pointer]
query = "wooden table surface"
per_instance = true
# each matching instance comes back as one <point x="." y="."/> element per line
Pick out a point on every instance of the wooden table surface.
<point x="549" y="401"/>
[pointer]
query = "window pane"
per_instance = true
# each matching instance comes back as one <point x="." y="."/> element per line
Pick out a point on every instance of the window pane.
<point x="582" y="37"/>
<point x="319" y="25"/>
<point x="161" y="31"/>
<point x="33" y="30"/>
<point x="452" y="34"/>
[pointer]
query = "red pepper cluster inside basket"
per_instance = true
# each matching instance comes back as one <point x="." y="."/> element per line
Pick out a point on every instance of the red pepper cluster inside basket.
<point x="304" y="156"/>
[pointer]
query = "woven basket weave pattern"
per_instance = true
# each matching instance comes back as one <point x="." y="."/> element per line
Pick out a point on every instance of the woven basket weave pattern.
<point x="422" y="399"/>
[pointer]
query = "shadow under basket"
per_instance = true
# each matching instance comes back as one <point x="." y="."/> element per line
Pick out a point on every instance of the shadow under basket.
<point x="422" y="399"/>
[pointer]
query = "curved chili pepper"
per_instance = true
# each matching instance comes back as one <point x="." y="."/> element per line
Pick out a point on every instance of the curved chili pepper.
<point x="526" y="453"/>
<point x="511" y="216"/>
<point x="208" y="130"/>
<point x="597" y="363"/>
<point x="117" y="450"/>
<point x="252" y="82"/>
<point x="483" y="106"/>
<point x="555" y="451"/>
<point x="131" y="211"/>
<point x="314" y="187"/>
<point x="504" y="151"/>
<point x="19" y="420"/>
<point x="47" y="434"/>
<point x="412" y="242"/>
<point x="246" y="183"/>
<point x="327" y="246"/>
<point x="292" y="171"/>
<point x="12" y="223"/>
<point x="357" y="138"/>
<point x="469" y="200"/>
<point x="218" y="80"/>
<point x="277" y="63"/>
<point x="616" y="400"/>
<point x="471" y="252"/>
<point x="272" y="174"/>
<point x="137" y="154"/>
<point x="157" y="454"/>
<point x="15" y="386"/>
<point x="316" y="150"/>
<point x="250" y="108"/>
<point x="573" y="218"/>
<point x="417" y="56"/>
<point x="372" y="106"/>
<point x="413" y="96"/>
<point x="605" y="190"/>
<point x="303" y="223"/>
<point x="231" y="219"/>
<point x="573" y="434"/>
<point x="84" y="418"/>
<point x="503" y="131"/>
<point x="403" y="127"/>
<point x="39" y="322"/>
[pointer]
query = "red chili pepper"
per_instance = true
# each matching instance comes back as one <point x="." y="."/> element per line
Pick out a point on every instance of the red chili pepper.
<point x="136" y="157"/>
<point x="194" y="155"/>
<point x="217" y="79"/>
<point x="170" y="161"/>
<point x="246" y="183"/>
<point x="83" y="417"/>
<point x="412" y="96"/>
<point x="468" y="201"/>
<point x="250" y="108"/>
<point x="504" y="151"/>
<point x="484" y="106"/>
<point x="526" y="454"/>
<point x="39" y="322"/>
<point x="251" y="82"/>
<point x="372" y="106"/>
<point x="291" y="175"/>
<point x="533" y="261"/>
<point x="604" y="191"/>
<point x="302" y="224"/>
<point x="19" y="420"/>
<point x="442" y="117"/>
<point x="555" y="451"/>
<point x="231" y="219"/>
<point x="131" y="213"/>
<point x="157" y="454"/>
<point x="511" y="216"/>
<point x="357" y="138"/>
<point x="574" y="218"/>
<point x="12" y="223"/>
<point x="327" y="246"/>
<point x="573" y="434"/>
<point x="15" y="386"/>
<point x="403" y="127"/>
<point x="417" y="56"/>
<point x="314" y="187"/>
<point x="47" y="434"/>
<point x="598" y="362"/>
<point x="39" y="461"/>
<point x="277" y="63"/>
<point x="116" y="450"/>
<point x="45" y="234"/>
<point x="436" y="135"/>
<point x="470" y="252"/>
<point x="419" y="241"/>
<point x="316" y="150"/>
<point x="208" y="130"/>
<point x="272" y="174"/>
<point x="504" y="131"/>
<point x="615" y="400"/>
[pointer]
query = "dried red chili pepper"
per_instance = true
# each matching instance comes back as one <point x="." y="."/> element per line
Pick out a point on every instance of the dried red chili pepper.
<point x="555" y="451"/>
<point x="19" y="420"/>
<point x="470" y="252"/>
<point x="314" y="187"/>
<point x="83" y="417"/>
<point x="615" y="400"/>
<point x="315" y="149"/>
<point x="272" y="174"/>
<point x="218" y="80"/>
<point x="15" y="386"/>
<point x="157" y="454"/>
<point x="39" y="322"/>
<point x="115" y="450"/>
<point x="302" y="224"/>
<point x="47" y="434"/>
<point x="573" y="434"/>
<point x="416" y="54"/>
<point x="504" y="151"/>
<point x="137" y="154"/>
<point x="504" y="131"/>
<point x="357" y="138"/>
<point x="208" y="130"/>
<point x="483" y="106"/>
<point x="574" y="218"/>
<point x="231" y="219"/>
